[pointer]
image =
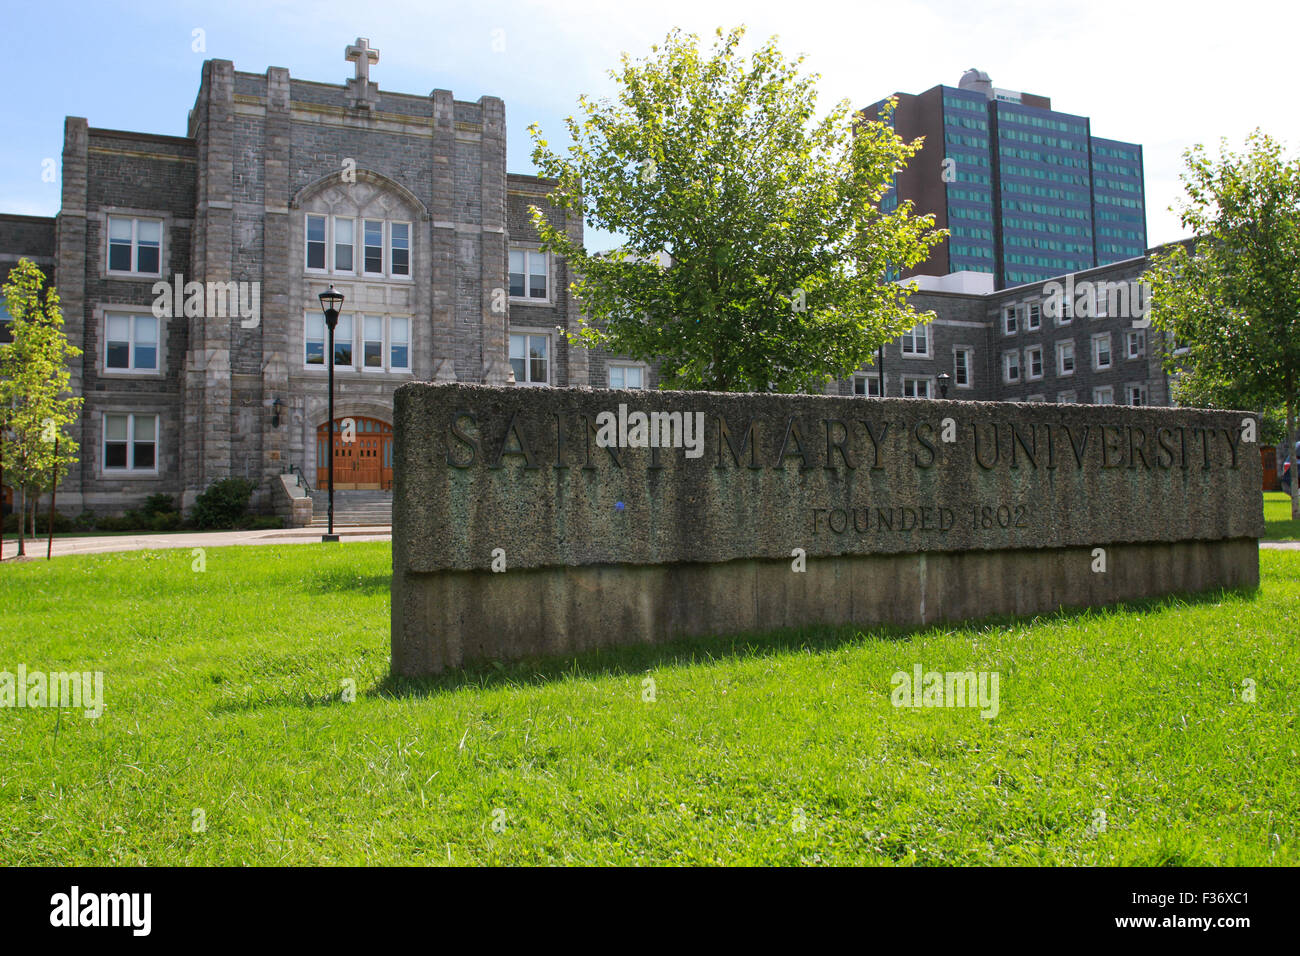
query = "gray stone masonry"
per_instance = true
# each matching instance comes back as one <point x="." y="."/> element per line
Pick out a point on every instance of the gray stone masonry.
<point x="661" y="541"/>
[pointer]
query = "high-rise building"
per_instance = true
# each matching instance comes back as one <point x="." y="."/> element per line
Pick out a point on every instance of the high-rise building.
<point x="1027" y="192"/>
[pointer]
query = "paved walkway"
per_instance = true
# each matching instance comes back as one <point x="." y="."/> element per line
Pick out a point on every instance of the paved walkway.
<point x="196" y="539"/>
<point x="218" y="539"/>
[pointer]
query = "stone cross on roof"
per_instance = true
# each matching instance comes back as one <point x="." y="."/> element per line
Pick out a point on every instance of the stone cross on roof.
<point x="363" y="56"/>
<point x="363" y="91"/>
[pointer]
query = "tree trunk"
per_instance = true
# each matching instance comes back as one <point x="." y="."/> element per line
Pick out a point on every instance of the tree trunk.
<point x="54" y="490"/>
<point x="21" y="493"/>
<point x="1291" y="439"/>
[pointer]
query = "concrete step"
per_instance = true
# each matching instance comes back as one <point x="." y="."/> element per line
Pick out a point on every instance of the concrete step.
<point x="355" y="506"/>
<point x="318" y="524"/>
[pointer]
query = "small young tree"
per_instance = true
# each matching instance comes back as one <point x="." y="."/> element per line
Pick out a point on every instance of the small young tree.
<point x="1233" y="299"/>
<point x="756" y="250"/>
<point x="37" y="408"/>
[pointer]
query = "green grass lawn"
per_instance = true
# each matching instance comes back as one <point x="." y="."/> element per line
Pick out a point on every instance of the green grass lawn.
<point x="223" y="694"/>
<point x="1278" y="523"/>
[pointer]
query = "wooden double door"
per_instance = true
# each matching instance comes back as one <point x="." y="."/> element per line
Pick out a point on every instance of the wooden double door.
<point x="363" y="456"/>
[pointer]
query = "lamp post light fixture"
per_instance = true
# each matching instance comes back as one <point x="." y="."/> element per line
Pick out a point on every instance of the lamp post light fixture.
<point x="330" y="303"/>
<point x="944" y="378"/>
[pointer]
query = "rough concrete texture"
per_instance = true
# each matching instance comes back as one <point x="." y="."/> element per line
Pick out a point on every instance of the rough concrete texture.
<point x="616" y="545"/>
<point x="1053" y="476"/>
<point x="447" y="619"/>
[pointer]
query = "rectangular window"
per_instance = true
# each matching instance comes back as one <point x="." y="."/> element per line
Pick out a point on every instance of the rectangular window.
<point x="1101" y="351"/>
<point x="117" y="441"/>
<point x="1137" y="394"/>
<point x="1135" y="343"/>
<point x="134" y="246"/>
<point x="6" y="333"/>
<point x="343" y="341"/>
<point x="518" y="264"/>
<point x="148" y="251"/>
<point x="344" y="237"/>
<point x="373" y="247"/>
<point x="916" y="387"/>
<point x="400" y="248"/>
<point x="120" y="234"/>
<point x="375" y="344"/>
<point x="130" y="442"/>
<point x="1064" y="309"/>
<point x="1064" y="358"/>
<point x="1034" y="361"/>
<point x="1105" y="395"/>
<point x="1065" y="398"/>
<point x="1036" y="398"/>
<point x="868" y="385"/>
<point x="1011" y="366"/>
<point x="130" y="343"/>
<point x="961" y="367"/>
<point x="537" y="275"/>
<point x="372" y="342"/>
<point x="314" y="340"/>
<point x="528" y="275"/>
<point x="316" y="243"/>
<point x="399" y="349"/>
<point x="1009" y="320"/>
<point x="144" y="442"/>
<point x="341" y="234"/>
<point x="1034" y="318"/>
<point x="626" y="376"/>
<point x="530" y="358"/>
<point x="916" y="342"/>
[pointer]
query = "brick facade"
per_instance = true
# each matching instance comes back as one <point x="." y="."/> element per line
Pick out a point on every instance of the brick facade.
<point x="976" y="321"/>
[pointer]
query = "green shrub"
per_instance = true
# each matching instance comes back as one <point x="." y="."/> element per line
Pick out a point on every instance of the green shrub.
<point x="61" y="523"/>
<point x="223" y="505"/>
<point x="131" y="521"/>
<point x="84" y="521"/>
<point x="261" y="522"/>
<point x="159" y="504"/>
<point x="165" y="521"/>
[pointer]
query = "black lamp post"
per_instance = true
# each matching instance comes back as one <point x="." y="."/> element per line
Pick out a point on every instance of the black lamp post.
<point x="330" y="302"/>
<point x="944" y="378"/>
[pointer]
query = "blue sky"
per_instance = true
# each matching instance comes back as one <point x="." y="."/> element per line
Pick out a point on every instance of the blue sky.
<point x="1162" y="74"/>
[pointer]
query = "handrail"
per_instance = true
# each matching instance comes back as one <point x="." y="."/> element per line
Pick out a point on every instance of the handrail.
<point x="302" y="477"/>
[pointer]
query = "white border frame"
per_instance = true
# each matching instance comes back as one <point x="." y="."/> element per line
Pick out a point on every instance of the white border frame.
<point x="531" y="250"/>
<point x="164" y="224"/>
<point x="550" y="354"/>
<point x="129" y="471"/>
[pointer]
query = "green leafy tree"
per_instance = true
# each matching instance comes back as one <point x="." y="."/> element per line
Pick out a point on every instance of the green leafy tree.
<point x="756" y="247"/>
<point x="1232" y="298"/>
<point x="37" y="408"/>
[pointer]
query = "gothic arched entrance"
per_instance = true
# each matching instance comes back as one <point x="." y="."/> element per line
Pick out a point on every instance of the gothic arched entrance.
<point x="364" y="462"/>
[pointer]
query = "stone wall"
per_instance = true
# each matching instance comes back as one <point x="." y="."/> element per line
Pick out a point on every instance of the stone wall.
<point x="932" y="509"/>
